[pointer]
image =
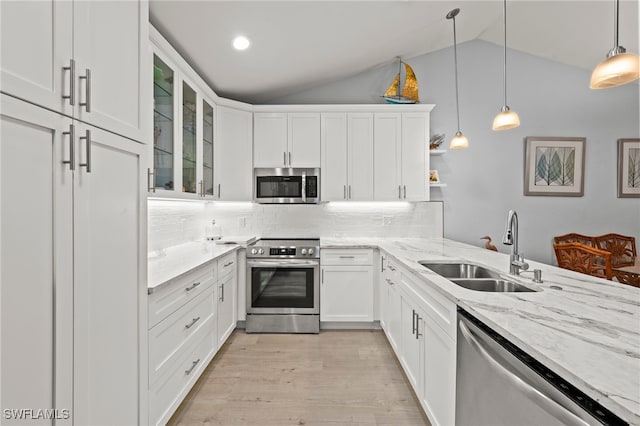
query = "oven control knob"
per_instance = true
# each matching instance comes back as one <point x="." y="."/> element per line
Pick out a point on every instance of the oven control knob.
<point x="304" y="251"/>
<point x="260" y="251"/>
<point x="254" y="251"/>
<point x="310" y="251"/>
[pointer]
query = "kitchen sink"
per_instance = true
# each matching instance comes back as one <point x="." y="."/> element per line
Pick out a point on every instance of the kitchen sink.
<point x="460" y="270"/>
<point x="490" y="284"/>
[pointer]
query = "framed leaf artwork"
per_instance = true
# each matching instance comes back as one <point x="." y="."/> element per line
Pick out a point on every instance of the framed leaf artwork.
<point x="628" y="168"/>
<point x="554" y="166"/>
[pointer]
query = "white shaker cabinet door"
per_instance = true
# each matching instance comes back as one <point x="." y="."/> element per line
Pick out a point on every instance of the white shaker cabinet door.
<point x="439" y="375"/>
<point x="233" y="155"/>
<point x="387" y="161"/>
<point x="346" y="293"/>
<point x="226" y="295"/>
<point x="270" y="140"/>
<point x="113" y="73"/>
<point x="412" y="342"/>
<point x="36" y="47"/>
<point x="36" y="265"/>
<point x="109" y="274"/>
<point x="415" y="156"/>
<point x="360" y="138"/>
<point x="333" y="184"/>
<point x="304" y="139"/>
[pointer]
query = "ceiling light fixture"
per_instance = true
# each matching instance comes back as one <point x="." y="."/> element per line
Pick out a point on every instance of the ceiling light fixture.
<point x="506" y="118"/>
<point x="241" y="43"/>
<point x="459" y="141"/>
<point x="620" y="67"/>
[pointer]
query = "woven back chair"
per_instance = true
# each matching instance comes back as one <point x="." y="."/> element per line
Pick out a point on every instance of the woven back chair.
<point x="576" y="238"/>
<point x="583" y="258"/>
<point x="622" y="248"/>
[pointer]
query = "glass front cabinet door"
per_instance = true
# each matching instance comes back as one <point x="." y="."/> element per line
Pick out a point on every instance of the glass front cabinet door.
<point x="183" y="135"/>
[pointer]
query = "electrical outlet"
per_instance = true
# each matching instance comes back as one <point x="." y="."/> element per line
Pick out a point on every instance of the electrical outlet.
<point x="386" y="220"/>
<point x="243" y="221"/>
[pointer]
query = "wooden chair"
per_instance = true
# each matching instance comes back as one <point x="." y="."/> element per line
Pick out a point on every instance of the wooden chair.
<point x="575" y="238"/>
<point x="583" y="258"/>
<point x="622" y="248"/>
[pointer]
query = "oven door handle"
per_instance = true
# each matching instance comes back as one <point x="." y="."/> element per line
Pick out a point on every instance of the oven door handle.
<point x="279" y="263"/>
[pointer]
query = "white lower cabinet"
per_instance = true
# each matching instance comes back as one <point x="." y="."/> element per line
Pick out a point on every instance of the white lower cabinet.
<point x="346" y="285"/>
<point x="420" y="326"/>
<point x="227" y="280"/>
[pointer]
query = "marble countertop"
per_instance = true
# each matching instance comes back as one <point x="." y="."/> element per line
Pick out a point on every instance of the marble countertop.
<point x="165" y="265"/>
<point x="588" y="331"/>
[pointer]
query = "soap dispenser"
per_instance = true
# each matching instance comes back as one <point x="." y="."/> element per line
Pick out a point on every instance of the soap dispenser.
<point x="213" y="232"/>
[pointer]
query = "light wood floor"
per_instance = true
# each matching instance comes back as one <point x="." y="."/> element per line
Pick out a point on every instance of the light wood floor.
<point x="333" y="378"/>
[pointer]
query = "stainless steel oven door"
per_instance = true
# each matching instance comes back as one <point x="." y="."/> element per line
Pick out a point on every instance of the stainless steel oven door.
<point x="283" y="286"/>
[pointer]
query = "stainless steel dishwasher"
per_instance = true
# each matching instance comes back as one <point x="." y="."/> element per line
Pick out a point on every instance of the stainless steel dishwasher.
<point x="499" y="384"/>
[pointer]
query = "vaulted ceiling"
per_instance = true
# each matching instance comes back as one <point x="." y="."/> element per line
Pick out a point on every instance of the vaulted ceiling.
<point x="300" y="44"/>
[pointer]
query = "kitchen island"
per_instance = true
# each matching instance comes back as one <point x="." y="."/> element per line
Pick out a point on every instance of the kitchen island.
<point x="585" y="329"/>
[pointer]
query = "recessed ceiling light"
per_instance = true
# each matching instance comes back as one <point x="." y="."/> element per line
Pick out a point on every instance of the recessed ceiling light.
<point x="241" y="43"/>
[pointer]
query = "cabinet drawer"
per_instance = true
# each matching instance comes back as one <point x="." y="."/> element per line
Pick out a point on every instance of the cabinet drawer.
<point x="227" y="264"/>
<point x="440" y="310"/>
<point x="346" y="257"/>
<point x="168" y="392"/>
<point x="174" y="334"/>
<point x="169" y="298"/>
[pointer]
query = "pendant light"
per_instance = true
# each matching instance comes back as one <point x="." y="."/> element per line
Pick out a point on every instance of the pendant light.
<point x="459" y="141"/>
<point x="506" y="118"/>
<point x="620" y="67"/>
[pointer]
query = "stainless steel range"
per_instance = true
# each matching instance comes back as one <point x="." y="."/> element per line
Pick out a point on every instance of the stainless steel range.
<point x="283" y="294"/>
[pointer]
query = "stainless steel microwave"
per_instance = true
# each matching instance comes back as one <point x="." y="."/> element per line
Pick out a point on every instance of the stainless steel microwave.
<point x="286" y="186"/>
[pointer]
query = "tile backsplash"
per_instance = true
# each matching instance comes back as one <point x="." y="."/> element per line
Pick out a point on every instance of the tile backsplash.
<point x="177" y="222"/>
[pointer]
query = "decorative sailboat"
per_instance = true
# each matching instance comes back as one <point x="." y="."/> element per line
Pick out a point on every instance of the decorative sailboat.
<point x="409" y="93"/>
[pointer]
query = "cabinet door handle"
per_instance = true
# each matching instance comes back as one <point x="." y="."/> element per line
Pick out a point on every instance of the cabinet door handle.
<point x="349" y="191"/>
<point x="405" y="191"/>
<point x="284" y="158"/>
<point x="381" y="263"/>
<point x="192" y="286"/>
<point x="344" y="192"/>
<point x="151" y="187"/>
<point x="72" y="150"/>
<point x="413" y="322"/>
<point x="347" y="257"/>
<point x="193" y="365"/>
<point x="227" y="264"/>
<point x="289" y="158"/>
<point x="72" y="82"/>
<point x="87" y="103"/>
<point x="392" y="268"/>
<point x="322" y="277"/>
<point x="418" y="334"/>
<point x="193" y="321"/>
<point x="87" y="139"/>
<point x="221" y="298"/>
<point x="218" y="191"/>
<point x="399" y="192"/>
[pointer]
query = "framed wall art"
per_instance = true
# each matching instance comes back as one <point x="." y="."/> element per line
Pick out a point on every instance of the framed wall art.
<point x="434" y="177"/>
<point x="628" y="168"/>
<point x="554" y="166"/>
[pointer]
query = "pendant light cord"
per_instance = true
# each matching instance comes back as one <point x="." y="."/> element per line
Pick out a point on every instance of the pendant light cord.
<point x="616" y="18"/>
<point x="505" y="51"/>
<point x="455" y="62"/>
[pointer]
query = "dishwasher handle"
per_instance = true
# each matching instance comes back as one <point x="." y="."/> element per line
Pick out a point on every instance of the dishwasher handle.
<point x="555" y="409"/>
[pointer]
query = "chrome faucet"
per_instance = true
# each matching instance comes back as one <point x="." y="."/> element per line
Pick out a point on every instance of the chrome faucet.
<point x="516" y="262"/>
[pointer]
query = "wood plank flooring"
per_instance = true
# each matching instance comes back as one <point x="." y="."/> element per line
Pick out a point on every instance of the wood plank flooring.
<point x="332" y="378"/>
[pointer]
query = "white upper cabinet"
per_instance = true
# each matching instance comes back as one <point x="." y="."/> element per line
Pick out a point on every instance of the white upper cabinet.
<point x="79" y="58"/>
<point x="347" y="156"/>
<point x="401" y="156"/>
<point x="286" y="139"/>
<point x="233" y="159"/>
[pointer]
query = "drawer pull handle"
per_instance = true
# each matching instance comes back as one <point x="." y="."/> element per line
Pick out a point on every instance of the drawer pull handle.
<point x="228" y="264"/>
<point x="392" y="268"/>
<point x="347" y="257"/>
<point x="193" y="365"/>
<point x="195" y="320"/>
<point x="191" y="287"/>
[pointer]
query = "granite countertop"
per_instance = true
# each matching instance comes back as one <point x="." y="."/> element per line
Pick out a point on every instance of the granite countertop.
<point x="167" y="264"/>
<point x="588" y="331"/>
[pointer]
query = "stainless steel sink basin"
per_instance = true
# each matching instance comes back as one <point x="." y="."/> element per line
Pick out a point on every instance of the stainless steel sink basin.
<point x="460" y="270"/>
<point x="490" y="284"/>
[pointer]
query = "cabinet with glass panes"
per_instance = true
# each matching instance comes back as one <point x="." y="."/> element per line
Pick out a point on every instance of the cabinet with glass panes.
<point x="183" y="143"/>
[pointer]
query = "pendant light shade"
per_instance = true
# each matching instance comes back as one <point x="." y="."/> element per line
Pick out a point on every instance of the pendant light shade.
<point x="620" y="67"/>
<point x="506" y="118"/>
<point x="459" y="141"/>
